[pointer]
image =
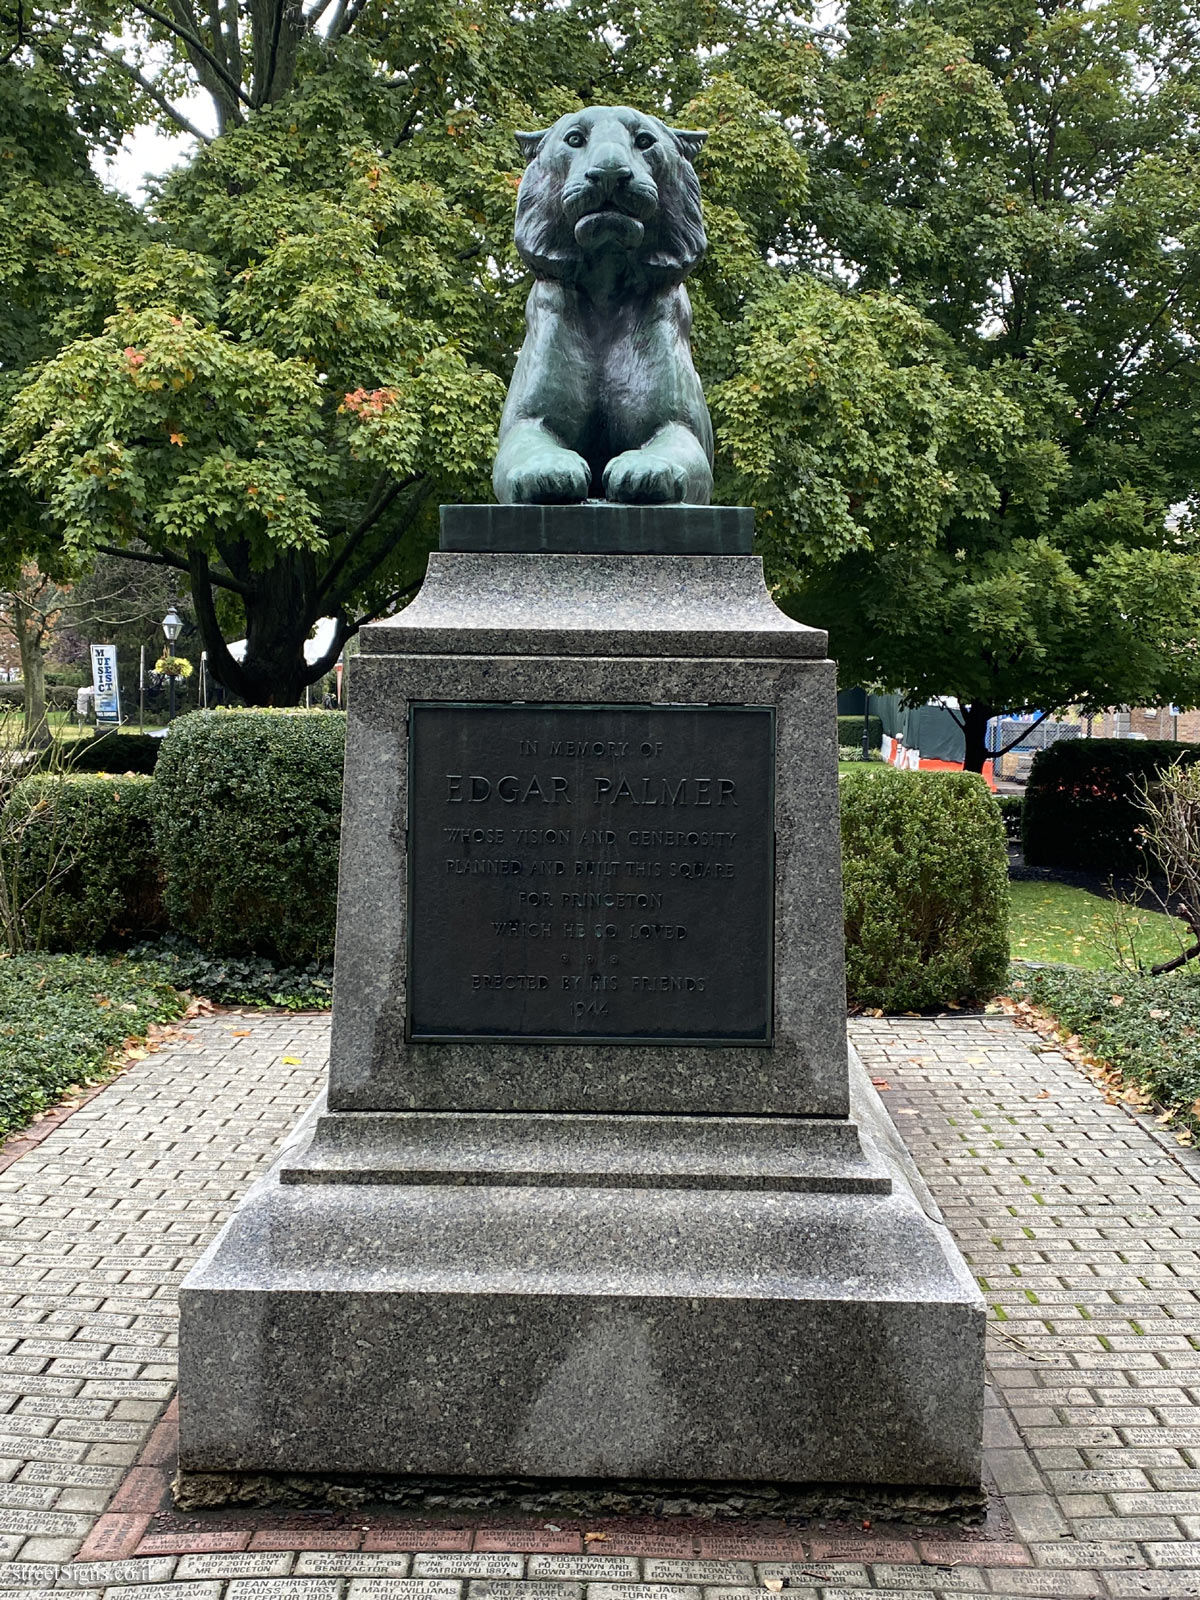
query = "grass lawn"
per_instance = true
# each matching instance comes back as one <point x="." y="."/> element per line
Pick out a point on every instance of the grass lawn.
<point x="63" y="729"/>
<point x="1057" y="923"/>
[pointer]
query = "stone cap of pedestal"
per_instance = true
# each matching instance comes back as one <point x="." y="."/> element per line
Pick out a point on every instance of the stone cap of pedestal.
<point x="818" y="1155"/>
<point x="525" y="604"/>
<point x="597" y="527"/>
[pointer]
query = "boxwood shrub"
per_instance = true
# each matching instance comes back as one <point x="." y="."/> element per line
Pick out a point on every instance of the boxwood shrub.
<point x="1081" y="806"/>
<point x="926" y="884"/>
<point x="113" y="752"/>
<point x="80" y="860"/>
<point x="59" y="696"/>
<point x="247" y="809"/>
<point x="1012" y="809"/>
<point x="850" y="732"/>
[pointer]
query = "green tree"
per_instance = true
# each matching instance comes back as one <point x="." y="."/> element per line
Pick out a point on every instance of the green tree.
<point x="946" y="324"/>
<point x="966" y="431"/>
<point x="311" y="350"/>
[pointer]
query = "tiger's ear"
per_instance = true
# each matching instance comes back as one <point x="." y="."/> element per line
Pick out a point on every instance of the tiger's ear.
<point x="529" y="144"/>
<point x="690" y="141"/>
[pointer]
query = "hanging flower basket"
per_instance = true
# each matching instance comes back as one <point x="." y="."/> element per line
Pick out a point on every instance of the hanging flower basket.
<point x="173" y="667"/>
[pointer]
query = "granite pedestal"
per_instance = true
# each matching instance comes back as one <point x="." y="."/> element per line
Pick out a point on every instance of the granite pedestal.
<point x="596" y="1191"/>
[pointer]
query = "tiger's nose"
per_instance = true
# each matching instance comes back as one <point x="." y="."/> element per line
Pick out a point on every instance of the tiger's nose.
<point x="610" y="173"/>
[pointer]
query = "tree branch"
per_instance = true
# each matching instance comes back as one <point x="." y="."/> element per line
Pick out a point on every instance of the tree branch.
<point x="221" y="663"/>
<point x="197" y="44"/>
<point x="346" y="16"/>
<point x="376" y="507"/>
<point x="390" y="600"/>
<point x="176" y="562"/>
<point x="155" y="94"/>
<point x="1021" y="736"/>
<point x="218" y="33"/>
<point x="1175" y="961"/>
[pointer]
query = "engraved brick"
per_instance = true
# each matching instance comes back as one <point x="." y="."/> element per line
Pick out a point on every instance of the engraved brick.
<point x="587" y="1568"/>
<point x="141" y="1489"/>
<point x="659" y="1570"/>
<point x="42" y="1449"/>
<point x="523" y="1589"/>
<point x="291" y="1539"/>
<point x="1173" y="1555"/>
<point x="731" y="1547"/>
<point x="113" y="1535"/>
<point x="27" y="1494"/>
<point x="349" y="1563"/>
<point x="814" y="1572"/>
<point x="973" y="1552"/>
<point x="642" y="1591"/>
<point x="1153" y="1585"/>
<point x="385" y="1538"/>
<point x="865" y="1549"/>
<point x="234" y="1565"/>
<point x="1087" y="1553"/>
<point x="195" y="1542"/>
<point x="283" y="1589"/>
<point x="484" y="1565"/>
<point x="527" y="1539"/>
<point x="165" y="1591"/>
<point x="1038" y="1581"/>
<point x="64" y="1524"/>
<point x="948" y="1579"/>
<point x="41" y="1594"/>
<point x="79" y="1474"/>
<point x="405" y="1589"/>
<point x="724" y="1592"/>
<point x="642" y="1544"/>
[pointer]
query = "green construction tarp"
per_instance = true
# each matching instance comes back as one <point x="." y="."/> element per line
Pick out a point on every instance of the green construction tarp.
<point x="929" y="729"/>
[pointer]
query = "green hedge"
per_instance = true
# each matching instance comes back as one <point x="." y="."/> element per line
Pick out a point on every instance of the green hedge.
<point x="1012" y="811"/>
<point x="112" y="752"/>
<point x="59" y="697"/>
<point x="1081" y="806"/>
<point x="247" y="811"/>
<point x="80" y="860"/>
<point x="926" y="883"/>
<point x="850" y="732"/>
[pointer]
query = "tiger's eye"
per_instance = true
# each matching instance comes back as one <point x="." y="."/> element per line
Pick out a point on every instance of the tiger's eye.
<point x="576" y="139"/>
<point x="645" y="140"/>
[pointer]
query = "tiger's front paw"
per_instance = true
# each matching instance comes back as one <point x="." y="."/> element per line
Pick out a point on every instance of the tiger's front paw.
<point x="643" y="478"/>
<point x="549" y="477"/>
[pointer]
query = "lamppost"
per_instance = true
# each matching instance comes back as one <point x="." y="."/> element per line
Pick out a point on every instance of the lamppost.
<point x="172" y="627"/>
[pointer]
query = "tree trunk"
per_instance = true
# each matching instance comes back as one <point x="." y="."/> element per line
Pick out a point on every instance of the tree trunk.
<point x="28" y="629"/>
<point x="279" y="608"/>
<point x="976" y="717"/>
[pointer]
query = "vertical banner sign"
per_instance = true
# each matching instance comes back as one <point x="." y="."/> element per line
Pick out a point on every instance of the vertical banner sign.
<point x="104" y="679"/>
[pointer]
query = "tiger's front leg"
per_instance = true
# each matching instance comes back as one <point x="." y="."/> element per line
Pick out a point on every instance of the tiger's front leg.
<point x="671" y="468"/>
<point x="534" y="468"/>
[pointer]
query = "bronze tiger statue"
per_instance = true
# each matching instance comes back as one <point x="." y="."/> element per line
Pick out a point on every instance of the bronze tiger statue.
<point x="605" y="402"/>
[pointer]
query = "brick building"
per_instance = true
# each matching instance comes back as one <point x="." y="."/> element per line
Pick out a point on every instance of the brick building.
<point x="1156" y="723"/>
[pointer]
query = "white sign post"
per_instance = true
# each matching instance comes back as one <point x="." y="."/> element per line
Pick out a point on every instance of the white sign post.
<point x="108" y="690"/>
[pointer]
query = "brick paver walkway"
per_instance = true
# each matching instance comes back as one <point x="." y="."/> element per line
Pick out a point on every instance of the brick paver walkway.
<point x="1082" y="1227"/>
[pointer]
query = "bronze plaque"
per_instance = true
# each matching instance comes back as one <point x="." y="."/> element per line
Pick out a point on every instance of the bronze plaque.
<point x="591" y="872"/>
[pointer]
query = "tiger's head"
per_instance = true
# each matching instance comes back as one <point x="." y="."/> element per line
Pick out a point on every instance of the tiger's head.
<point x="610" y="179"/>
